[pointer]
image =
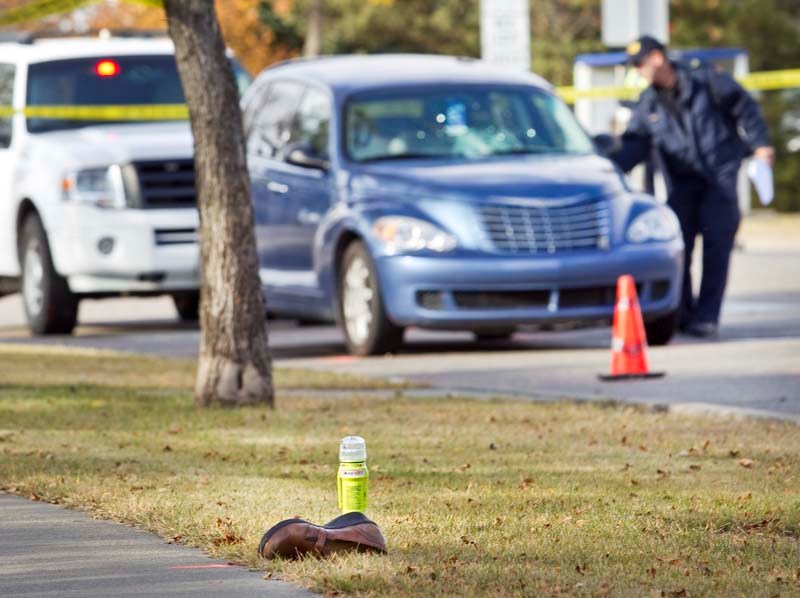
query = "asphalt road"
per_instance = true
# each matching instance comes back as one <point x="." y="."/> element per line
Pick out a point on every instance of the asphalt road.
<point x="753" y="367"/>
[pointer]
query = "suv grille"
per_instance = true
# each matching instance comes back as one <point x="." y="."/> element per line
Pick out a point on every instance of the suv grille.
<point x="166" y="184"/>
<point x="547" y="229"/>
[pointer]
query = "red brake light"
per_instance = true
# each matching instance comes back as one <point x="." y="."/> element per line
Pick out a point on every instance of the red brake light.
<point x="107" y="68"/>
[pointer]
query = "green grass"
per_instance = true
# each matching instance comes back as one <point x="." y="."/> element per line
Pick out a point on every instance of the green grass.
<point x="475" y="498"/>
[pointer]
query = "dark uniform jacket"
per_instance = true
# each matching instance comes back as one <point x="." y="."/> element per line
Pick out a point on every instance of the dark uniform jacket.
<point x="705" y="131"/>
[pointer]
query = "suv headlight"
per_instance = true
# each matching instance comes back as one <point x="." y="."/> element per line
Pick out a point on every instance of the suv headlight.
<point x="402" y="233"/>
<point x="102" y="187"/>
<point x="656" y="224"/>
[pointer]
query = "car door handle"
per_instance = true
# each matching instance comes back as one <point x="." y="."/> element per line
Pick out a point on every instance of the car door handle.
<point x="308" y="217"/>
<point x="277" y="187"/>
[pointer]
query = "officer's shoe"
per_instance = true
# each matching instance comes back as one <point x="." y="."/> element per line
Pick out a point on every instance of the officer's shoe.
<point x="293" y="538"/>
<point x="702" y="329"/>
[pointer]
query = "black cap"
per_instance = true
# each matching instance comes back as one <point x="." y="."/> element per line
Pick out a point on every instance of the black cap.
<point x="638" y="49"/>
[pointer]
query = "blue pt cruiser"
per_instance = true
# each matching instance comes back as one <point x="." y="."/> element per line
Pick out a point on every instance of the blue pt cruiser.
<point x="396" y="190"/>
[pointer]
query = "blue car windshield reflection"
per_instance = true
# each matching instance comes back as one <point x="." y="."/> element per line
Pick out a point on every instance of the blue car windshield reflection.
<point x="461" y="122"/>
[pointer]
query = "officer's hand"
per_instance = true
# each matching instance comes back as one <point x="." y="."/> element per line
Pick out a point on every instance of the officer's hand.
<point x="766" y="153"/>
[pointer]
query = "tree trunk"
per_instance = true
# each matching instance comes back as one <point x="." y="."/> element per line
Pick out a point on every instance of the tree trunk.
<point x="313" y="43"/>
<point x="235" y="366"/>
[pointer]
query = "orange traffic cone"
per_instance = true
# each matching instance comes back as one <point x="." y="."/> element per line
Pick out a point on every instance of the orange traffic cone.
<point x="628" y="340"/>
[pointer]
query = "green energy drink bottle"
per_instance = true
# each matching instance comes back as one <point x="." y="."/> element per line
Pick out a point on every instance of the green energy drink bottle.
<point x="353" y="477"/>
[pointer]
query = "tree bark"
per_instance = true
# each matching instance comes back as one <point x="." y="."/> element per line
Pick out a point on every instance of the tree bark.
<point x="235" y="366"/>
<point x="313" y="43"/>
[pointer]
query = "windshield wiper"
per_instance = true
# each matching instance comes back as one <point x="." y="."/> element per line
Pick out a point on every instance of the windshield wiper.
<point x="521" y="151"/>
<point x="409" y="156"/>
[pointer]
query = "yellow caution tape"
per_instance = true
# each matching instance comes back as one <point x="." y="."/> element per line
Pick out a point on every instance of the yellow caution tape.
<point x="103" y="113"/>
<point x="767" y="80"/>
<point x="763" y="81"/>
<point x="570" y="94"/>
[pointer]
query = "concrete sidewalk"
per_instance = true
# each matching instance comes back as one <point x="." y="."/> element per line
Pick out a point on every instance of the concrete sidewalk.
<point x="46" y="550"/>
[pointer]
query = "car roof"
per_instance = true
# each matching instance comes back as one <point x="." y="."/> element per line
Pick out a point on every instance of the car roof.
<point x="45" y="49"/>
<point x="353" y="73"/>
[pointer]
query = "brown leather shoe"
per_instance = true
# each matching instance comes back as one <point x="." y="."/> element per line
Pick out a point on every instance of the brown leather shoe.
<point x="293" y="538"/>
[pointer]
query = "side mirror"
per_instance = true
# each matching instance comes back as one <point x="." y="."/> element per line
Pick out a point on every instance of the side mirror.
<point x="605" y="143"/>
<point x="301" y="154"/>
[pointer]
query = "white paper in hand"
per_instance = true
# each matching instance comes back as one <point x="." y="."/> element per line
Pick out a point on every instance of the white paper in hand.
<point x="761" y="175"/>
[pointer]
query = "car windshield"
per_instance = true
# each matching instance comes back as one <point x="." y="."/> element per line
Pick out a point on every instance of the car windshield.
<point x="112" y="81"/>
<point x="461" y="122"/>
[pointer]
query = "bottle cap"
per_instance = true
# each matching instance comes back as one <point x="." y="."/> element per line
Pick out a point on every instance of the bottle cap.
<point x="353" y="450"/>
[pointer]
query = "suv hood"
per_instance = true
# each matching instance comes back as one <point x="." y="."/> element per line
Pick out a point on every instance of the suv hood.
<point x="534" y="177"/>
<point x="102" y="145"/>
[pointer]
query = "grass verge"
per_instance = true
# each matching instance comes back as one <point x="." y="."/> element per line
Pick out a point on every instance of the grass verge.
<point x="474" y="497"/>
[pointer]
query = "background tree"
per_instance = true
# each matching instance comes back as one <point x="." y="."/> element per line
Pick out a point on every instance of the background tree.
<point x="234" y="365"/>
<point x="250" y="38"/>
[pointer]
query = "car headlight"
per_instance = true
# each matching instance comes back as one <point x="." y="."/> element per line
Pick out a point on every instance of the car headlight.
<point x="102" y="187"/>
<point x="656" y="224"/>
<point x="401" y="233"/>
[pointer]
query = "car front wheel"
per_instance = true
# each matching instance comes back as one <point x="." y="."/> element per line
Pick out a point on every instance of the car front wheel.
<point x="50" y="306"/>
<point x="367" y="329"/>
<point x="661" y="330"/>
<point x="187" y="305"/>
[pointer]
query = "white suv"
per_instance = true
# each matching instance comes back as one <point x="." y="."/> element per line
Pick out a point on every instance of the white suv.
<point x="93" y="208"/>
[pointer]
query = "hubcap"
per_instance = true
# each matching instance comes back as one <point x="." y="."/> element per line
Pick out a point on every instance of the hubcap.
<point x="357" y="301"/>
<point x="33" y="276"/>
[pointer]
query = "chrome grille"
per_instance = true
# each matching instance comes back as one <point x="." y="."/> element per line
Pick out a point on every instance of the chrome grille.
<point x="166" y="184"/>
<point x="528" y="229"/>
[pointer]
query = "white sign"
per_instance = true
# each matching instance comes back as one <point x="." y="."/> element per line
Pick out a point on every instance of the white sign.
<point x="626" y="20"/>
<point x="506" y="33"/>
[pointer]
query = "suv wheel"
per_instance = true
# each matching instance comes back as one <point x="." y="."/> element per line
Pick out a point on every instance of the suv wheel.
<point x="661" y="330"/>
<point x="187" y="306"/>
<point x="50" y="306"/>
<point x="367" y="329"/>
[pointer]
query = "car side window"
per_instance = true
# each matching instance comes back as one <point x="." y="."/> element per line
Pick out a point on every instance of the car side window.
<point x="312" y="122"/>
<point x="6" y="102"/>
<point x="269" y="129"/>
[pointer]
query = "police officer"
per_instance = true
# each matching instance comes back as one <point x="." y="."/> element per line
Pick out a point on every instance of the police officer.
<point x="699" y="124"/>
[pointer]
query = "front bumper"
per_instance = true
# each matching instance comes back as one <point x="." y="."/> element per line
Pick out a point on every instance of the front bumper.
<point x="152" y="250"/>
<point x="474" y="293"/>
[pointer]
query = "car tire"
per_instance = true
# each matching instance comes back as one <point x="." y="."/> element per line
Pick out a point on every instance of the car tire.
<point x="50" y="306"/>
<point x="187" y="305"/>
<point x="661" y="330"/>
<point x="367" y="329"/>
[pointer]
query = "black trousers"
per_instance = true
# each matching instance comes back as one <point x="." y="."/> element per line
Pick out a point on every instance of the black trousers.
<point x="709" y="209"/>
